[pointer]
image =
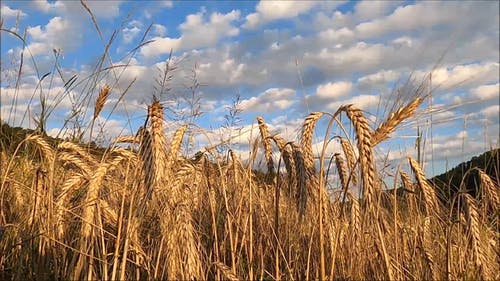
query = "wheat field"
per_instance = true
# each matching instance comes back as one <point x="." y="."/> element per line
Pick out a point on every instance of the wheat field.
<point x="140" y="210"/>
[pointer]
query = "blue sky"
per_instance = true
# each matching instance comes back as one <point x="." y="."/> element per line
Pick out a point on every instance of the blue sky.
<point x="284" y="59"/>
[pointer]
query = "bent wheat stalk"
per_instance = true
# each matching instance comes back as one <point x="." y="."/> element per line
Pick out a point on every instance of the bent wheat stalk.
<point x="394" y="119"/>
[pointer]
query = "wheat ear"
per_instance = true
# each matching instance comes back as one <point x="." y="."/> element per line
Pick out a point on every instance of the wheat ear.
<point x="175" y="145"/>
<point x="490" y="189"/>
<point x="101" y="99"/>
<point x="153" y="151"/>
<point x="395" y="118"/>
<point x="473" y="222"/>
<point x="286" y="151"/>
<point x="363" y="134"/>
<point x="351" y="158"/>
<point x="428" y="191"/>
<point x="266" y="143"/>
<point x="41" y="143"/>
<point x="306" y="139"/>
<point x="342" y="170"/>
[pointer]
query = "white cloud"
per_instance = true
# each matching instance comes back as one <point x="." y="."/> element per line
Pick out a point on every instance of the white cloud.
<point x="464" y="75"/>
<point x="196" y="33"/>
<point x="6" y="12"/>
<point x="333" y="90"/>
<point x="338" y="36"/>
<point x="363" y="102"/>
<point x="486" y="92"/>
<point x="131" y="31"/>
<point x="369" y="9"/>
<point x="270" y="100"/>
<point x="425" y="14"/>
<point x="59" y="33"/>
<point x="491" y="111"/>
<point x="378" y="79"/>
<point x="159" y="30"/>
<point x="267" y="11"/>
<point x="74" y="9"/>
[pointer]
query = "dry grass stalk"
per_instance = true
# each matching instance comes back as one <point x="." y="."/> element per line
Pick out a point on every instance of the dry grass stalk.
<point x="266" y="143"/>
<point x="363" y="134"/>
<point x="101" y="100"/>
<point x="395" y="118"/>
<point x="351" y="158"/>
<point x="428" y="191"/>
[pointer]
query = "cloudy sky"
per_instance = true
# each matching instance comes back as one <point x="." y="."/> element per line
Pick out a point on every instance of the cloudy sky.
<point x="282" y="59"/>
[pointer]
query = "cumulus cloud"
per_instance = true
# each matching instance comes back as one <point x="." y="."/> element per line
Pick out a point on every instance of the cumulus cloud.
<point x="197" y="32"/>
<point x="6" y="12"/>
<point x="369" y="9"/>
<point x="333" y="90"/>
<point x="105" y="10"/>
<point x="267" y="11"/>
<point x="378" y="79"/>
<point x="131" y="31"/>
<point x="59" y="33"/>
<point x="486" y="92"/>
<point x="426" y="14"/>
<point x="159" y="30"/>
<point x="270" y="100"/>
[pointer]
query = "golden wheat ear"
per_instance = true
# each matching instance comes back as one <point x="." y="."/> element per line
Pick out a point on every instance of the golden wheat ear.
<point x="367" y="164"/>
<point x="428" y="191"/>
<point x="101" y="100"/>
<point x="266" y="143"/>
<point x="395" y="118"/>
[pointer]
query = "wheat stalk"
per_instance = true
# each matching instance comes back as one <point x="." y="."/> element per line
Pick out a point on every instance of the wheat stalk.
<point x="395" y="118"/>
<point x="478" y="252"/>
<point x="490" y="189"/>
<point x="286" y="151"/>
<point x="41" y="143"/>
<point x="66" y="145"/>
<point x="266" y="143"/>
<point x="363" y="134"/>
<point x="427" y="247"/>
<point x="226" y="271"/>
<point x="428" y="191"/>
<point x="152" y="150"/>
<point x="175" y="145"/>
<point x="306" y="140"/>
<point x="342" y="170"/>
<point x="351" y="158"/>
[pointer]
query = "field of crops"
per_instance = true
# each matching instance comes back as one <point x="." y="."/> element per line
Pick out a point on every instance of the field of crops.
<point x="139" y="210"/>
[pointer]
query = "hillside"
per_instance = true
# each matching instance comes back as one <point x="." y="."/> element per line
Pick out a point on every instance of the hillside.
<point x="467" y="175"/>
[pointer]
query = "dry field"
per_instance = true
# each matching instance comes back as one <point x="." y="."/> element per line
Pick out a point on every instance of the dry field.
<point x="139" y="210"/>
